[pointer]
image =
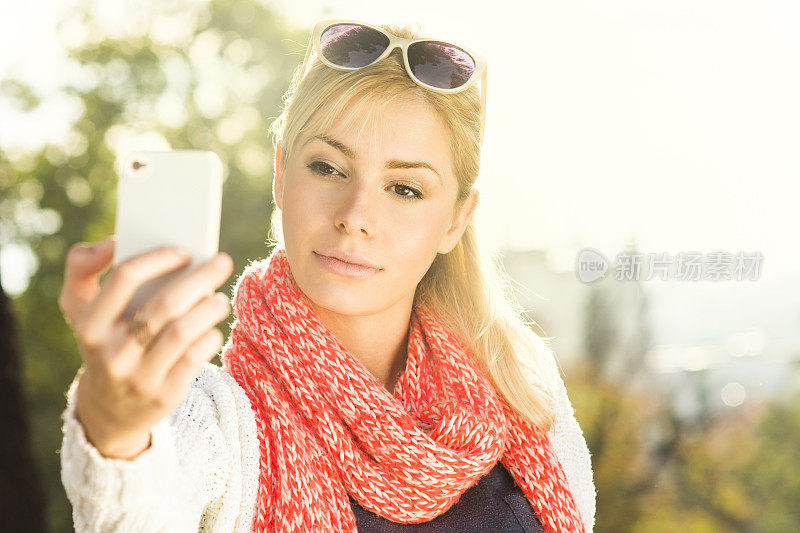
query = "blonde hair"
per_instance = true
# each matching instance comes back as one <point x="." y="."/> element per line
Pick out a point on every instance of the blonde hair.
<point x="468" y="290"/>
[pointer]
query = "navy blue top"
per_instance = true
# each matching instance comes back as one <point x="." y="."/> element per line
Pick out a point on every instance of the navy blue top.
<point x="495" y="503"/>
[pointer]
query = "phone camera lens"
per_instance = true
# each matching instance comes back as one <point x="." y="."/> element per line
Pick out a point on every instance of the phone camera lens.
<point x="137" y="165"/>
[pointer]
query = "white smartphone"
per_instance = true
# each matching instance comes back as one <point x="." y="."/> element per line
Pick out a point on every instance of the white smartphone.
<point x="171" y="198"/>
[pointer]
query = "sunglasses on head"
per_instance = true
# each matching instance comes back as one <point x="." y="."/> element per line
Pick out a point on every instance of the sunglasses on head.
<point x="436" y="65"/>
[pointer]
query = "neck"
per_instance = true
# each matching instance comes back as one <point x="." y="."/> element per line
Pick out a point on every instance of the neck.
<point x="379" y="340"/>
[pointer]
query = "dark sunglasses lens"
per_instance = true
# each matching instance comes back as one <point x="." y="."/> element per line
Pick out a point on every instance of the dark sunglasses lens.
<point x="440" y="64"/>
<point x="352" y="45"/>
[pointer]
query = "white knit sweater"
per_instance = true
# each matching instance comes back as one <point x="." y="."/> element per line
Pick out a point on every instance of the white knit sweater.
<point x="201" y="471"/>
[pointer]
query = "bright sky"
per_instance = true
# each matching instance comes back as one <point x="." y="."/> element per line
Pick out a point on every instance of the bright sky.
<point x="675" y="123"/>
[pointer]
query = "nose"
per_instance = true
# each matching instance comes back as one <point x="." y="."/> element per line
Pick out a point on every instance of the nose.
<point x="355" y="212"/>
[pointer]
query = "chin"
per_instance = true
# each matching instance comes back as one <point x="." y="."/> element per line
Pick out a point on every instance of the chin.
<point x="340" y="306"/>
<point x="337" y="297"/>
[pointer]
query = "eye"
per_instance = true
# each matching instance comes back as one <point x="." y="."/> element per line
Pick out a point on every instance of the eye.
<point x="415" y="194"/>
<point x="320" y="167"/>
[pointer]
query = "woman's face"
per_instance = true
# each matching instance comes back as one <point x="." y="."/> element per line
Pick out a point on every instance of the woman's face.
<point x="391" y="204"/>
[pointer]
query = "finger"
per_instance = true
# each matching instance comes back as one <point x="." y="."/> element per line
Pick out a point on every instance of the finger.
<point x="183" y="293"/>
<point x="124" y="353"/>
<point x="184" y="369"/>
<point x="84" y="263"/>
<point x="123" y="282"/>
<point x="177" y="337"/>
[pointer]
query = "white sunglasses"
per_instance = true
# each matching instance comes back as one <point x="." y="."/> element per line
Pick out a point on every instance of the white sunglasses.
<point x="437" y="65"/>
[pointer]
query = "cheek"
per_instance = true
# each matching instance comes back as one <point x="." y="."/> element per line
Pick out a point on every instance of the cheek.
<point x="414" y="236"/>
<point x="424" y="227"/>
<point x="414" y="242"/>
<point x="300" y="205"/>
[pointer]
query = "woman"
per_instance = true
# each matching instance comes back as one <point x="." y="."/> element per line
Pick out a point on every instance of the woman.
<point x="378" y="377"/>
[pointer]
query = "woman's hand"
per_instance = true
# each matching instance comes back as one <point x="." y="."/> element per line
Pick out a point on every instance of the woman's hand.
<point x="125" y="388"/>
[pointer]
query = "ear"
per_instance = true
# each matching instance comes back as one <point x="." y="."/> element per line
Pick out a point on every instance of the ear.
<point x="460" y="221"/>
<point x="277" y="183"/>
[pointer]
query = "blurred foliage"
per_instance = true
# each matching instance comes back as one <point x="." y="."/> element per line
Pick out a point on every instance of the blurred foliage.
<point x="211" y="76"/>
<point x="22" y="96"/>
<point x="656" y="471"/>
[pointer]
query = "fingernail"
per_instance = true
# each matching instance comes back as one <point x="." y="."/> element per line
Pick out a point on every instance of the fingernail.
<point x="220" y="260"/>
<point x="183" y="251"/>
<point x="97" y="246"/>
<point x="222" y="297"/>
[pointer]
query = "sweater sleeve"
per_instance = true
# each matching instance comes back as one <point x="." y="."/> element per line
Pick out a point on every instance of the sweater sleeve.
<point x="570" y="446"/>
<point x="566" y="435"/>
<point x="199" y="474"/>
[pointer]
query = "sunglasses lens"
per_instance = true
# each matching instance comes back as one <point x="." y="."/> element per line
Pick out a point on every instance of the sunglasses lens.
<point x="352" y="45"/>
<point x="440" y="64"/>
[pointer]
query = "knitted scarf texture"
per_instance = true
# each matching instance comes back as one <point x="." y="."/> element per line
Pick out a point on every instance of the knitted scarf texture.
<point x="328" y="428"/>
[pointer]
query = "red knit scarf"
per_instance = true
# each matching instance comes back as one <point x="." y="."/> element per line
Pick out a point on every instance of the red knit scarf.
<point x="328" y="427"/>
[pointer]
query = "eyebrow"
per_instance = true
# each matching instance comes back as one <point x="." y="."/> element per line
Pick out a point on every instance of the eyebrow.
<point x="392" y="163"/>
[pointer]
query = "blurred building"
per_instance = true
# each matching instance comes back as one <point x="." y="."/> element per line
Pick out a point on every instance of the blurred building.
<point x="554" y="300"/>
<point x="708" y="347"/>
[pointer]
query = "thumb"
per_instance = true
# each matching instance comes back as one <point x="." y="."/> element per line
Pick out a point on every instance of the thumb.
<point x="81" y="275"/>
<point x="91" y="259"/>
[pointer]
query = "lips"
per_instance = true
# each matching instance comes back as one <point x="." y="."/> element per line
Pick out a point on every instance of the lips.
<point x="346" y="269"/>
<point x="347" y="257"/>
